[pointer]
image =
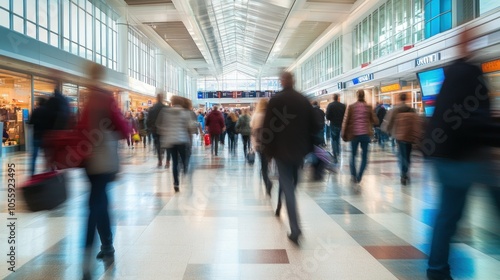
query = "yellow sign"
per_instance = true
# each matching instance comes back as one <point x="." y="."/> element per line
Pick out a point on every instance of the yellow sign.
<point x="491" y="66"/>
<point x="392" y="87"/>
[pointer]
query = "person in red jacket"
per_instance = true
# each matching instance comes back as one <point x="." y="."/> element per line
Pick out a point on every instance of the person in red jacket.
<point x="215" y="125"/>
<point x="103" y="125"/>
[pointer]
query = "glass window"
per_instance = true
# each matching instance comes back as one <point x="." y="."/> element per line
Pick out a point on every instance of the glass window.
<point x="445" y="22"/>
<point x="66" y="21"/>
<point x="42" y="35"/>
<point x="81" y="51"/>
<point x="5" y="4"/>
<point x="54" y="16"/>
<point x="42" y="13"/>
<point x="445" y="5"/>
<point x="74" y="48"/>
<point x="435" y="8"/>
<point x="66" y="45"/>
<point x="54" y="39"/>
<point x="31" y="29"/>
<point x="488" y="5"/>
<point x="104" y="41"/>
<point x="74" y="23"/>
<point x="18" y="6"/>
<point x="89" y="29"/>
<point x="4" y="18"/>
<point x="81" y="27"/>
<point x="97" y="37"/>
<point x="30" y="10"/>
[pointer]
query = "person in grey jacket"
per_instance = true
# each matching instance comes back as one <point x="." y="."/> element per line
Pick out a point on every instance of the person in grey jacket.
<point x="174" y="127"/>
<point x="243" y="127"/>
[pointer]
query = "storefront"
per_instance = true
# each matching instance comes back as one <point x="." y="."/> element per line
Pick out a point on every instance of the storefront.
<point x="138" y="102"/>
<point x="15" y="105"/>
<point x="491" y="70"/>
<point x="389" y="94"/>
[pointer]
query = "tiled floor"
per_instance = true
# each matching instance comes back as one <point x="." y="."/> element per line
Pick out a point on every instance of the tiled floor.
<point x="222" y="225"/>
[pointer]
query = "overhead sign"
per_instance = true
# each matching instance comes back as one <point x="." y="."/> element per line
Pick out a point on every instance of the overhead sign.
<point x="427" y="59"/>
<point x="362" y="79"/>
<point x="391" y="87"/>
<point x="340" y="85"/>
<point x="491" y="66"/>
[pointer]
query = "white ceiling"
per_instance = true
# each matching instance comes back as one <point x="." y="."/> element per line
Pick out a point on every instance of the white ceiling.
<point x="256" y="37"/>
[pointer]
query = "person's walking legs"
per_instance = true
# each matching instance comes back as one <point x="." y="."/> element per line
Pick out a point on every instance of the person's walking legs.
<point x="287" y="173"/>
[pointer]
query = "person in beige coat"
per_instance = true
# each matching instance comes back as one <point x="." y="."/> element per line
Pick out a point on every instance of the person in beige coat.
<point x="358" y="129"/>
<point x="256" y="124"/>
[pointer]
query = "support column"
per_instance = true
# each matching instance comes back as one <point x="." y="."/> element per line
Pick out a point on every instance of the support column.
<point x="122" y="46"/>
<point x="160" y="71"/>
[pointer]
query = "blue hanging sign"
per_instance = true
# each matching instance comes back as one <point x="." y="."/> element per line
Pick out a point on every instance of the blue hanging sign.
<point x="362" y="79"/>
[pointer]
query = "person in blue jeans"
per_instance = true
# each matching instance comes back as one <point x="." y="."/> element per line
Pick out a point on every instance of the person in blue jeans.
<point x="40" y="125"/>
<point x="335" y="114"/>
<point x="358" y="128"/>
<point x="403" y="137"/>
<point x="458" y="143"/>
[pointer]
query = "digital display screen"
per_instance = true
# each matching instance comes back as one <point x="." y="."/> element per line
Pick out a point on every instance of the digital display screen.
<point x="430" y="85"/>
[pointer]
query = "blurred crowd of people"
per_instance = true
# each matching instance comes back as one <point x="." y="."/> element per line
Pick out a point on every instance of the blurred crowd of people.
<point x="286" y="129"/>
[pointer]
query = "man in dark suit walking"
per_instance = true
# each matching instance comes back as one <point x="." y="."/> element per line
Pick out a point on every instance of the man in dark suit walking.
<point x="335" y="114"/>
<point x="287" y="136"/>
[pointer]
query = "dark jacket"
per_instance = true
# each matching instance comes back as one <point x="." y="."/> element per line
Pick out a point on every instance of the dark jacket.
<point x="230" y="125"/>
<point x="214" y="122"/>
<point x="58" y="111"/>
<point x="152" y="116"/>
<point x="40" y="120"/>
<point x="380" y="111"/>
<point x="319" y="115"/>
<point x="335" y="113"/>
<point x="289" y="127"/>
<point x="461" y="123"/>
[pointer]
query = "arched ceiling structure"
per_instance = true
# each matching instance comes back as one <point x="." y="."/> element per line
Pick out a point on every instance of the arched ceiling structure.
<point x="256" y="37"/>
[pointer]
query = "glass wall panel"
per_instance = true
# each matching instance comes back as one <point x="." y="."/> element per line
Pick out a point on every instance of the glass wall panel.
<point x="54" y="40"/>
<point x="54" y="15"/>
<point x="395" y="24"/>
<point x="4" y="18"/>
<point x="30" y="10"/>
<point x="5" y="4"/>
<point x="323" y="66"/>
<point x="18" y="24"/>
<point x="438" y="17"/>
<point x="42" y="13"/>
<point x="31" y="29"/>
<point x="43" y="35"/>
<point x="488" y="5"/>
<point x="18" y="7"/>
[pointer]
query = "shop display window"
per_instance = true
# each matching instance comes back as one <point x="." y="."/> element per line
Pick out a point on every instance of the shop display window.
<point x="15" y="100"/>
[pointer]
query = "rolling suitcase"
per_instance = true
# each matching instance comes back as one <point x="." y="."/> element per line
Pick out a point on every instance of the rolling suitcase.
<point x="45" y="191"/>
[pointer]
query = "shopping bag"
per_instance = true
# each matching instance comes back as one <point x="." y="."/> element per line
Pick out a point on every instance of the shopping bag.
<point x="325" y="157"/>
<point x="206" y="138"/>
<point x="45" y="191"/>
<point x="136" y="137"/>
